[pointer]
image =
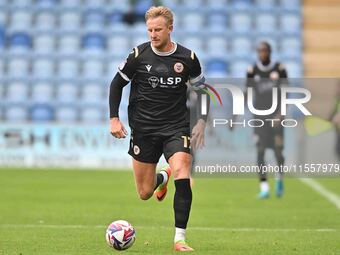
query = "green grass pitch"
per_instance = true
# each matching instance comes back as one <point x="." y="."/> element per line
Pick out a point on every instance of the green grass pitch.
<point x="49" y="212"/>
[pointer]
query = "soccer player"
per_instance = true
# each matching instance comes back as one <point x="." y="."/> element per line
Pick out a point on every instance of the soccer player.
<point x="263" y="76"/>
<point x="158" y="116"/>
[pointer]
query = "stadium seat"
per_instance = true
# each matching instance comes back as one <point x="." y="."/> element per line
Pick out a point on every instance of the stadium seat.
<point x="20" y="19"/>
<point x="42" y="92"/>
<point x="241" y="4"/>
<point x="217" y="46"/>
<point x="18" y="67"/>
<point x="115" y="17"/>
<point x="44" y="43"/>
<point x="118" y="5"/>
<point x="239" y="68"/>
<point x="192" y="22"/>
<point x="69" y="21"/>
<point x="93" y="69"/>
<point x="16" y="113"/>
<point x="94" y="40"/>
<point x="95" y="3"/>
<point x="43" y="68"/>
<point x="141" y="6"/>
<point x="67" y="92"/>
<point x="21" y="3"/>
<point x="217" y="21"/>
<point x="119" y="45"/>
<point x="70" y="4"/>
<point x="20" y="42"/>
<point x="241" y="22"/>
<point x="266" y="23"/>
<point x="194" y="43"/>
<point x="94" y="18"/>
<point x="216" y="65"/>
<point x="241" y="46"/>
<point x="41" y="113"/>
<point x="17" y="92"/>
<point x="291" y="47"/>
<point x="46" y="4"/>
<point x="45" y="21"/>
<point x="294" y="68"/>
<point x="216" y="5"/>
<point x="92" y="114"/>
<point x="67" y="113"/>
<point x="2" y="69"/>
<point x="266" y="4"/>
<point x="93" y="93"/>
<point x="69" y="44"/>
<point x="68" y="68"/>
<point x="290" y="23"/>
<point x="291" y="4"/>
<point x="193" y="4"/>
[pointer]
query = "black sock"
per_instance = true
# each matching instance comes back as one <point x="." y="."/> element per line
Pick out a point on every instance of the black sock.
<point x="159" y="180"/>
<point x="182" y="202"/>
<point x="261" y="163"/>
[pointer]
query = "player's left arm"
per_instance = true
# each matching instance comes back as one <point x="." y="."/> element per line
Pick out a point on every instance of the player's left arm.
<point x="197" y="81"/>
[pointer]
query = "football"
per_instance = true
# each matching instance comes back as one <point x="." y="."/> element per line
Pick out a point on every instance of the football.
<point x="120" y="235"/>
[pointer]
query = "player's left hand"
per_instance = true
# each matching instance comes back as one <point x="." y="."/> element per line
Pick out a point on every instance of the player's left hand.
<point x="197" y="136"/>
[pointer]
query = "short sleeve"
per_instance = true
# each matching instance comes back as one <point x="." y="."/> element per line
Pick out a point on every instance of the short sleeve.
<point x="128" y="67"/>
<point x="196" y="77"/>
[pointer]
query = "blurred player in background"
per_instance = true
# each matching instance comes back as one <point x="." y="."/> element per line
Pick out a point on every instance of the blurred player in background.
<point x="335" y="118"/>
<point x="158" y="115"/>
<point x="263" y="76"/>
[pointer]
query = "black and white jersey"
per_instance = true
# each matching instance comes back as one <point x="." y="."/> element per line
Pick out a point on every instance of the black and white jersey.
<point x="263" y="78"/>
<point x="158" y="95"/>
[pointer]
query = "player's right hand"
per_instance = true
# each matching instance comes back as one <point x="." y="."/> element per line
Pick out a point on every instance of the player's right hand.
<point x="117" y="129"/>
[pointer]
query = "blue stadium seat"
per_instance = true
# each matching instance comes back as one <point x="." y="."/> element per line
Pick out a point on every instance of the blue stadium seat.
<point x="266" y="4"/>
<point x="17" y="92"/>
<point x="70" y="4"/>
<point x="115" y="17"/>
<point x="94" y="18"/>
<point x="2" y="69"/>
<point x="241" y="22"/>
<point x="95" y="3"/>
<point x="216" y="65"/>
<point x="45" y="21"/>
<point x="241" y="4"/>
<point x="43" y="68"/>
<point x="217" y="46"/>
<point x="118" y="5"/>
<point x="192" y="22"/>
<point x="291" y="5"/>
<point x="2" y="38"/>
<point x="294" y="68"/>
<point x="18" y="67"/>
<point x="69" y="44"/>
<point x="290" y="23"/>
<point x="193" y="4"/>
<point x="216" y="5"/>
<point x="241" y="46"/>
<point x="67" y="92"/>
<point x="217" y="21"/>
<point x="20" y="39"/>
<point x="142" y="6"/>
<point x="21" y="19"/>
<point x="66" y="113"/>
<point x="291" y="47"/>
<point x="266" y="23"/>
<point x="41" y="113"/>
<point x="94" y="40"/>
<point x="92" y="114"/>
<point x="44" y="43"/>
<point x="68" y="68"/>
<point x="93" y="93"/>
<point x="46" y="4"/>
<point x="119" y="45"/>
<point x="42" y="92"/>
<point x="194" y="43"/>
<point x="239" y="68"/>
<point x="69" y="21"/>
<point x="21" y="3"/>
<point x="93" y="69"/>
<point x="15" y="113"/>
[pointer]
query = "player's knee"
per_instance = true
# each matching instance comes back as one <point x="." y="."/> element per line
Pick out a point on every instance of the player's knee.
<point x="145" y="194"/>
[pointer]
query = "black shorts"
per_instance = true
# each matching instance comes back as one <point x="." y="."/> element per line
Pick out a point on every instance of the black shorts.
<point x="149" y="148"/>
<point x="269" y="137"/>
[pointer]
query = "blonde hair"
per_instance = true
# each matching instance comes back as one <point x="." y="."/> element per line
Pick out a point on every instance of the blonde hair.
<point x="158" y="11"/>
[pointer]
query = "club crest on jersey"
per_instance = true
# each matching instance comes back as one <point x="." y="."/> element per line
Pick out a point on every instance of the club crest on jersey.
<point x="136" y="150"/>
<point x="274" y="76"/>
<point x="148" y="67"/>
<point x="178" y="67"/>
<point x="153" y="81"/>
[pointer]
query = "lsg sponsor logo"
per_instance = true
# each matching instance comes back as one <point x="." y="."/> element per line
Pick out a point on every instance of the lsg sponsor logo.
<point x="239" y="103"/>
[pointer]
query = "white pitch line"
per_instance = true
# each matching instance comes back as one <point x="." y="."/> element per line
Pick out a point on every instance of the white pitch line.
<point x="330" y="196"/>
<point x="163" y="227"/>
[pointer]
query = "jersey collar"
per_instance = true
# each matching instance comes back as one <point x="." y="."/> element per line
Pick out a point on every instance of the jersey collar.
<point x="168" y="53"/>
<point x="264" y="68"/>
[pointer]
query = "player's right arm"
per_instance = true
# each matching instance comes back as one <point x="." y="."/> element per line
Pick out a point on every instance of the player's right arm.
<point x="125" y="73"/>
